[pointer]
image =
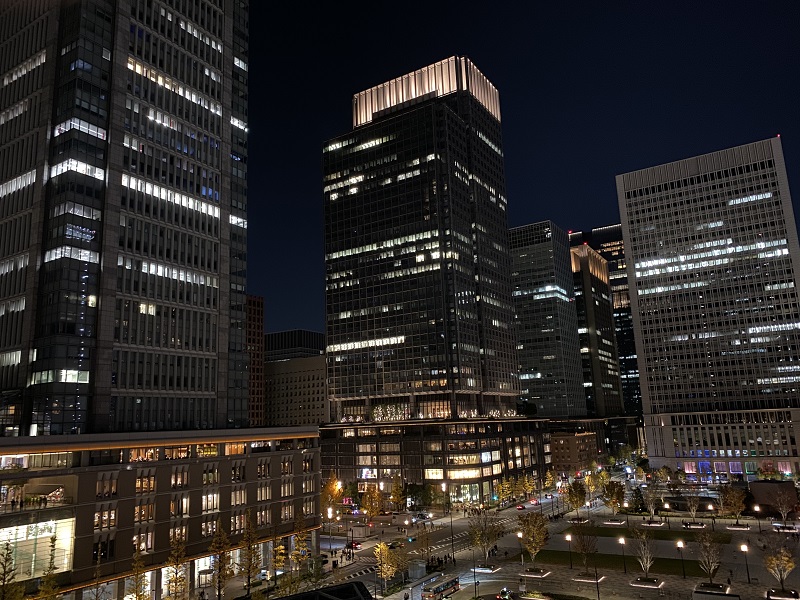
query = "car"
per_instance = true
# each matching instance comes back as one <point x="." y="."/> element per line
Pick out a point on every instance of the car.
<point x="534" y="501"/>
<point x="483" y="568"/>
<point x="549" y="496"/>
<point x="353" y="545"/>
<point x="712" y="588"/>
<point x="262" y="575"/>
<point x="647" y="582"/>
<point x="778" y="594"/>
<point x="520" y="507"/>
<point x="394" y="544"/>
<point x="505" y="594"/>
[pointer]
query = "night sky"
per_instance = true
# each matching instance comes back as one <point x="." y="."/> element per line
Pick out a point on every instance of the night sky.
<point x="588" y="90"/>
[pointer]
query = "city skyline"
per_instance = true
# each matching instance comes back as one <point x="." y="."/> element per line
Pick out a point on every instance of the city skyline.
<point x="585" y="95"/>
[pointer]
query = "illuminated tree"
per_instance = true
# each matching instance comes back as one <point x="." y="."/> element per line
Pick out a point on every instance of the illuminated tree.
<point x="331" y="493"/>
<point x="576" y="495"/>
<point x="484" y="531"/>
<point x="48" y="588"/>
<point x="136" y="585"/>
<point x="779" y="561"/>
<point x="221" y="568"/>
<point x="10" y="588"/>
<point x="644" y="550"/>
<point x="535" y="534"/>
<point x="613" y="496"/>
<point x="709" y="553"/>
<point x="250" y="565"/>
<point x="371" y="501"/>
<point x="383" y="559"/>
<point x="550" y="480"/>
<point x="398" y="493"/>
<point x="176" y="569"/>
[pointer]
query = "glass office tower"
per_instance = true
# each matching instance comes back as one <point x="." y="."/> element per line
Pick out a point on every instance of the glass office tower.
<point x="418" y="294"/>
<point x="122" y="215"/>
<point x="713" y="252"/>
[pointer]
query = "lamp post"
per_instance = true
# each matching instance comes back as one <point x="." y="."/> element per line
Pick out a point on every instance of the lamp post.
<point x="406" y="526"/>
<point x="521" y="551"/>
<point x="568" y="537"/>
<point x="474" y="573"/>
<point x="450" y="511"/>
<point x="757" y="510"/>
<point x="596" y="579"/>
<point x="330" y="527"/>
<point x="627" y="515"/>
<point x="624" y="565"/>
<point x="679" y="544"/>
<point x="711" y="509"/>
<point x="747" y="566"/>
<point x="666" y="507"/>
<point x="587" y="510"/>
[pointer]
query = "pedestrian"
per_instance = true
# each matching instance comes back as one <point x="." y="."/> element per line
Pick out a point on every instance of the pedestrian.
<point x="405" y="596"/>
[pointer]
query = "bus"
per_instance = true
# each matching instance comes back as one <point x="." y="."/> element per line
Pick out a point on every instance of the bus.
<point x="437" y="591"/>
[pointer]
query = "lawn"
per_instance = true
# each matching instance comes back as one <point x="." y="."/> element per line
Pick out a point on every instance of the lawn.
<point x="665" y="566"/>
<point x="656" y="533"/>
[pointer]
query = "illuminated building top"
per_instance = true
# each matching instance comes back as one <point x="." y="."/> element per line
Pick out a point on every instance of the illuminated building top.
<point x="439" y="79"/>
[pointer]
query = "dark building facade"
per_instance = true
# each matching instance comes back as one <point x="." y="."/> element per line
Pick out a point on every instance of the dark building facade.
<point x="548" y="345"/>
<point x="294" y="343"/>
<point x="601" y="380"/>
<point x="419" y="315"/>
<point x="123" y="216"/>
<point x="608" y="242"/>
<point x="255" y="353"/>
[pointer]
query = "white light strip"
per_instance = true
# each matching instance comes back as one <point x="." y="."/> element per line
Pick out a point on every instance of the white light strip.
<point x="768" y="328"/>
<point x="21" y="69"/>
<point x="72" y="252"/>
<point x="18" y="263"/>
<point x="238" y="221"/>
<point x="11" y="186"/>
<point x="12" y="306"/>
<point x="174" y="86"/>
<point x="752" y="198"/>
<point x="161" y="270"/>
<point x="169" y="195"/>
<point x="239" y="123"/>
<point x="238" y="62"/>
<point x="392" y="341"/>
<point x="14" y="111"/>
<point x="79" y="167"/>
<point x="8" y="359"/>
<point x="80" y="125"/>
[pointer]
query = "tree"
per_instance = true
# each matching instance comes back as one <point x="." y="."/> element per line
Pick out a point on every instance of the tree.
<point x="505" y="489"/>
<point x="398" y="493"/>
<point x="644" y="549"/>
<point x="278" y="556"/>
<point x="784" y="500"/>
<point x="529" y="484"/>
<point x="535" y="534"/>
<point x="585" y="544"/>
<point x="592" y="484"/>
<point x="400" y="560"/>
<point x="692" y="503"/>
<point x="613" y="496"/>
<point x="98" y="591"/>
<point x="136" y="585"/>
<point x="709" y="553"/>
<point x="10" y="588"/>
<point x="637" y="501"/>
<point x="519" y="487"/>
<point x="550" y="480"/>
<point x="331" y="493"/>
<point x="176" y="568"/>
<point x="48" y="588"/>
<point x="652" y="498"/>
<point x="299" y="555"/>
<point x="576" y="495"/>
<point x="371" y="501"/>
<point x="639" y="474"/>
<point x="386" y="566"/>
<point x="484" y="531"/>
<point x="221" y="569"/>
<point x="731" y="499"/>
<point x="424" y="539"/>
<point x="779" y="561"/>
<point x="250" y="564"/>
<point x="603" y="478"/>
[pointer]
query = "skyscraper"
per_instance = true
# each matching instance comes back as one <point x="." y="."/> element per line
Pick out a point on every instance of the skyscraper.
<point x="713" y="250"/>
<point x="418" y="293"/>
<point x="122" y="216"/>
<point x="601" y="380"/>
<point x="551" y="383"/>
<point x="609" y="244"/>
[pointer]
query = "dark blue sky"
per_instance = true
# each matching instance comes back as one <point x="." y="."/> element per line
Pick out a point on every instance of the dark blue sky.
<point x="588" y="90"/>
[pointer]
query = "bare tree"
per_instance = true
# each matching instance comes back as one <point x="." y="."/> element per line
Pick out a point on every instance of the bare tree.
<point x="221" y="567"/>
<point x="692" y="504"/>
<point x="48" y="588"/>
<point x="535" y="534"/>
<point x="709" y="552"/>
<point x="784" y="500"/>
<point x="585" y="544"/>
<point x="484" y="530"/>
<point x="136" y="585"/>
<point x="177" y="568"/>
<point x="644" y="549"/>
<point x="652" y="498"/>
<point x="779" y="561"/>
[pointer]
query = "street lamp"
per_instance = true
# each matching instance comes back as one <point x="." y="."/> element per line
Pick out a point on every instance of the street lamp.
<point x="666" y="507"/>
<point x="622" y="543"/>
<point x="627" y="515"/>
<point x="757" y="510"/>
<point x="747" y="566"/>
<point x="450" y="510"/>
<point x="406" y="524"/>
<point x="679" y="544"/>
<point x="475" y="581"/>
<point x="568" y="537"/>
<point x="521" y="551"/>
<point x="330" y="527"/>
<point x="711" y="508"/>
